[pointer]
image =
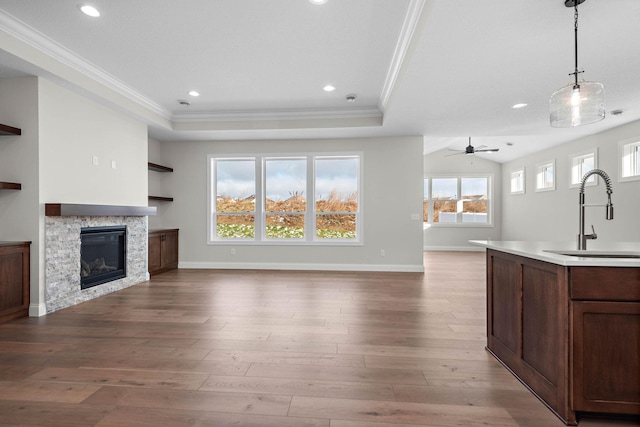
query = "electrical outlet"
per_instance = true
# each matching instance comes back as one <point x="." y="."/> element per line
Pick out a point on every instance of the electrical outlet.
<point x="233" y="251"/>
<point x="95" y="160"/>
<point x="382" y="252"/>
<point x="113" y="164"/>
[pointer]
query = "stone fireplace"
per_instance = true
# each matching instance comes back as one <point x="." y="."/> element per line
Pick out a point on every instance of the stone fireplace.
<point x="63" y="253"/>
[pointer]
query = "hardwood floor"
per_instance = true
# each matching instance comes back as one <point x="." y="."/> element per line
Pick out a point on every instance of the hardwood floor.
<point x="270" y="349"/>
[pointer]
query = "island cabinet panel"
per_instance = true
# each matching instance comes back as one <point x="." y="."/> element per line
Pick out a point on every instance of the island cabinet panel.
<point x="571" y="334"/>
<point x="606" y="348"/>
<point x="536" y="321"/>
<point x="14" y="280"/>
<point x="543" y="332"/>
<point x="162" y="251"/>
<point x="505" y="303"/>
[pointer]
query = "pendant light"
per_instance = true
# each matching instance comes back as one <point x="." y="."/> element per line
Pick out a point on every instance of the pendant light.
<point x="580" y="102"/>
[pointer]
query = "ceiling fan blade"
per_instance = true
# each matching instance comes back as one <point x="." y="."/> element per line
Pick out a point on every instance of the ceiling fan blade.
<point x="480" y="147"/>
<point x="455" y="154"/>
<point x="453" y="149"/>
<point x="488" y="150"/>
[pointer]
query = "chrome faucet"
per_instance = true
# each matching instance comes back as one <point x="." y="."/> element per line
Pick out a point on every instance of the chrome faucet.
<point x="582" y="238"/>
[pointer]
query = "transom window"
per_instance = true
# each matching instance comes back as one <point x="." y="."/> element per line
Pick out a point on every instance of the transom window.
<point x="286" y="199"/>
<point x="629" y="160"/>
<point x="581" y="164"/>
<point x="546" y="176"/>
<point x="517" y="181"/>
<point x="458" y="200"/>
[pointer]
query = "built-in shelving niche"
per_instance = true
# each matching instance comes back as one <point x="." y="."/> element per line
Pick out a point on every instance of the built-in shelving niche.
<point x="159" y="168"/>
<point x="9" y="130"/>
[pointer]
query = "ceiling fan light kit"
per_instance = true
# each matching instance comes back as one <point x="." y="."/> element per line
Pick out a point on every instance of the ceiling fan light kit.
<point x="580" y="102"/>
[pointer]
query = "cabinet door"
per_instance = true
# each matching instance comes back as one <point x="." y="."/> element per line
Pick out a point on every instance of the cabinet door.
<point x="155" y="252"/>
<point x="606" y="371"/>
<point x="14" y="281"/>
<point x="170" y="249"/>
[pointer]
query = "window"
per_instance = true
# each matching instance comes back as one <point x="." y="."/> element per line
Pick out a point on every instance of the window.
<point x="517" y="181"/>
<point x="286" y="199"/>
<point x="285" y="204"/>
<point x="629" y="153"/>
<point x="582" y="163"/>
<point x="546" y="176"/>
<point x="235" y="198"/>
<point x="458" y="200"/>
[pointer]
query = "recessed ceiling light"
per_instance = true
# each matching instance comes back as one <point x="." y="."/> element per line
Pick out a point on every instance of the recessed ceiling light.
<point x="194" y="93"/>
<point x="89" y="10"/>
<point x="329" y="88"/>
<point x="318" y="1"/>
<point x="520" y="105"/>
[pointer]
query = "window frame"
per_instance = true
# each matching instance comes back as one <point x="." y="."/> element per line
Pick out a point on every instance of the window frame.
<point x="579" y="157"/>
<point x="622" y="151"/>
<point x="542" y="168"/>
<point x="459" y="177"/>
<point x="260" y="236"/>
<point x="522" y="172"/>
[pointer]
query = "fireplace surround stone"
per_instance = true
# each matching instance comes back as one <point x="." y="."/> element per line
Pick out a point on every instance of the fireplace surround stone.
<point x="62" y="258"/>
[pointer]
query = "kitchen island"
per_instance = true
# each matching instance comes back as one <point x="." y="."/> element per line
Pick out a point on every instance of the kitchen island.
<point x="568" y="327"/>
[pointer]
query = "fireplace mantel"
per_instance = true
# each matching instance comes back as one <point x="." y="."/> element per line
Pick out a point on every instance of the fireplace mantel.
<point x="70" y="209"/>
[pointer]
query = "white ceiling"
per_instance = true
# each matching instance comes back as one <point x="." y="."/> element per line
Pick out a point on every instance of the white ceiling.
<point x="439" y="68"/>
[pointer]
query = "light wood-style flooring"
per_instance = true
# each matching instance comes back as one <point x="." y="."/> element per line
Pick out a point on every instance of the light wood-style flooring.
<point x="270" y="349"/>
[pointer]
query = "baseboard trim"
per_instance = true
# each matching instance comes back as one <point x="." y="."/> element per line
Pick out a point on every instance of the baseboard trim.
<point x="37" y="310"/>
<point x="454" y="248"/>
<point x="305" y="267"/>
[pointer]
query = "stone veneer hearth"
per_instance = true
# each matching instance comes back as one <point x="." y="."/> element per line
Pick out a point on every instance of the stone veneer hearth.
<point x="62" y="258"/>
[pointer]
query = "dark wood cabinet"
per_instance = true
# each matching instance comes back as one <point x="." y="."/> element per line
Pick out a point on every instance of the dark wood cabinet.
<point x="606" y="339"/>
<point x="570" y="334"/>
<point x="14" y="280"/>
<point x="163" y="250"/>
<point x="527" y="325"/>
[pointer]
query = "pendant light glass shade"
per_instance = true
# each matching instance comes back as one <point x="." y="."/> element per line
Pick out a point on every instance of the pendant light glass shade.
<point x="577" y="104"/>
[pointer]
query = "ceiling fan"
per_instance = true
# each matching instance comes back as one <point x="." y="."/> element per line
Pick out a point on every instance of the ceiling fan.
<point x="470" y="149"/>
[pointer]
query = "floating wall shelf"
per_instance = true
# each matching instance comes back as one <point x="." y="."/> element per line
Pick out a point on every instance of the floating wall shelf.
<point x="10" y="186"/>
<point x="159" y="168"/>
<point x="9" y="130"/>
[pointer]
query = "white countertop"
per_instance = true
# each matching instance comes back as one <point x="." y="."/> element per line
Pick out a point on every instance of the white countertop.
<point x="538" y="250"/>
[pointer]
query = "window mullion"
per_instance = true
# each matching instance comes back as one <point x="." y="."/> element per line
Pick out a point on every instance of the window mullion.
<point x="260" y="215"/>
<point x="309" y="215"/>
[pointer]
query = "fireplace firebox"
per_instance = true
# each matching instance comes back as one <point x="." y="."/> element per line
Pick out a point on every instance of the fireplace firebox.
<point x="103" y="255"/>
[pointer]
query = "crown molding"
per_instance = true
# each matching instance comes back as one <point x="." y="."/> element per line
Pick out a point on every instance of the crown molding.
<point x="43" y="44"/>
<point x="305" y="114"/>
<point x="407" y="31"/>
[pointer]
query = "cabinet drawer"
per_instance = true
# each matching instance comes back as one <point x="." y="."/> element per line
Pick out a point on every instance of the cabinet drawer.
<point x="605" y="283"/>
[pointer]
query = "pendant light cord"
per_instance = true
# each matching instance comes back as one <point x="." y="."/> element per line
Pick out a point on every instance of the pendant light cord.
<point x="575" y="31"/>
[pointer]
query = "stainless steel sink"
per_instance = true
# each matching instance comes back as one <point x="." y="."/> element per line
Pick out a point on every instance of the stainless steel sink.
<point x="595" y="253"/>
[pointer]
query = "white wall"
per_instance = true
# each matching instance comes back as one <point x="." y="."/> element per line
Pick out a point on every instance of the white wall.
<point x="74" y="129"/>
<point x="442" y="237"/>
<point x="392" y="171"/>
<point x="553" y="215"/>
<point x="19" y="213"/>
<point x="156" y="183"/>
